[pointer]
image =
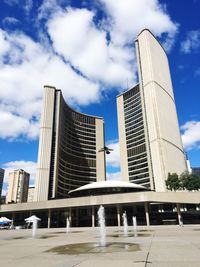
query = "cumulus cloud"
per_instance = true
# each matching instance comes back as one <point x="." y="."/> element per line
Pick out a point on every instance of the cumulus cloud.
<point x="86" y="47"/>
<point x="128" y="19"/>
<point x="191" y="135"/>
<point x="73" y="52"/>
<point x="28" y="166"/>
<point x="191" y="43"/>
<point x="113" y="159"/>
<point x="27" y="68"/>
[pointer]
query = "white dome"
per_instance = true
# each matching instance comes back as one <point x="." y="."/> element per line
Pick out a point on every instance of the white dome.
<point x="109" y="184"/>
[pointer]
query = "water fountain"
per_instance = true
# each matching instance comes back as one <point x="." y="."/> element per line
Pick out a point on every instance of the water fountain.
<point x="34" y="220"/>
<point x="102" y="246"/>
<point x="34" y="228"/>
<point x="67" y="225"/>
<point x="135" y="225"/>
<point x="125" y="224"/>
<point x="101" y="222"/>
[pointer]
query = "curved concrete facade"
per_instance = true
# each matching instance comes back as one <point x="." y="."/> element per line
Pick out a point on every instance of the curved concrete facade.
<point x="162" y="145"/>
<point x="68" y="150"/>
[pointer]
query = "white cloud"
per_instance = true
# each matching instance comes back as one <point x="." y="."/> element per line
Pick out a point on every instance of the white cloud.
<point x="47" y="8"/>
<point x="20" y="97"/>
<point x="191" y="43"/>
<point x="10" y="20"/>
<point x="28" y="166"/>
<point x="191" y="134"/>
<point x="11" y="126"/>
<point x="86" y="47"/>
<point x="82" y="62"/>
<point x="113" y="159"/>
<point x="128" y="18"/>
<point x="114" y="176"/>
<point x="28" y="4"/>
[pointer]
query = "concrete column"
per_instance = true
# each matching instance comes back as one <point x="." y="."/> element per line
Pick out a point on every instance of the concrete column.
<point x="93" y="217"/>
<point x="147" y="213"/>
<point x="180" y="221"/>
<point x="118" y="215"/>
<point x="49" y="219"/>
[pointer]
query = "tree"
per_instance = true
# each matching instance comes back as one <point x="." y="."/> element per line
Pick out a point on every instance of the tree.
<point x="190" y="181"/>
<point x="173" y="182"/>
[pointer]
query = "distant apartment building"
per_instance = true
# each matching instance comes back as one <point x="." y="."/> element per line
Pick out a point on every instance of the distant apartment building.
<point x="31" y="191"/>
<point x="69" y="145"/>
<point x="149" y="136"/>
<point x="196" y="171"/>
<point x="2" y="171"/>
<point x="18" y="186"/>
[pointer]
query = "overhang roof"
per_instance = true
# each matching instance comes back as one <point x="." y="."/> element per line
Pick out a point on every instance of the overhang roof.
<point x="108" y="184"/>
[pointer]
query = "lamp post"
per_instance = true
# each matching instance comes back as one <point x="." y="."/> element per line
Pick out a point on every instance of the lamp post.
<point x="106" y="150"/>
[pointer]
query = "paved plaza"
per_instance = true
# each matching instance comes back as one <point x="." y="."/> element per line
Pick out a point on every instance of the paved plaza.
<point x="153" y="246"/>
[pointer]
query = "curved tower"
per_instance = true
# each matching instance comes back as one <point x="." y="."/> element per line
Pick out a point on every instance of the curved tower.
<point x="68" y="154"/>
<point x="149" y="136"/>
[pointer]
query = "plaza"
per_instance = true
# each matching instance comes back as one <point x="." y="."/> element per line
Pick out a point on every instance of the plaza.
<point x="153" y="246"/>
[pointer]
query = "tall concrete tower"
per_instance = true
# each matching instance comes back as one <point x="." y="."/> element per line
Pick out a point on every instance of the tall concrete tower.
<point x="149" y="136"/>
<point x="69" y="147"/>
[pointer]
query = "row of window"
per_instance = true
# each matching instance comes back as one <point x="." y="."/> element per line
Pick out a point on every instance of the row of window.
<point x="77" y="167"/>
<point x="137" y="162"/>
<point x="138" y="171"/>
<point x="139" y="176"/>
<point x="135" y="116"/>
<point x="132" y="101"/>
<point x="135" y="137"/>
<point x="136" y="150"/>
<point x="131" y="130"/>
<point x="78" y="116"/>
<point x="138" y="166"/>
<point x="66" y="172"/>
<point x="79" y="144"/>
<point x="85" y="162"/>
<point x="132" y="113"/>
<point x="131" y="93"/>
<point x="79" y="149"/>
<point x="137" y="143"/>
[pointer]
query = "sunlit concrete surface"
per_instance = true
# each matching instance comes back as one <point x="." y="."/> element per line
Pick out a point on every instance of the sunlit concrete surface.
<point x="153" y="246"/>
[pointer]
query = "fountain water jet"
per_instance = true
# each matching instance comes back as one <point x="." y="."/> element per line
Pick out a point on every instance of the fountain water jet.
<point x="125" y="224"/>
<point x="67" y="225"/>
<point x="34" y="220"/>
<point x="101" y="222"/>
<point x="135" y="225"/>
<point x="34" y="228"/>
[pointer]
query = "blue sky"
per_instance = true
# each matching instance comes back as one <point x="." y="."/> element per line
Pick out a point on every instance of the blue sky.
<point x="86" y="48"/>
